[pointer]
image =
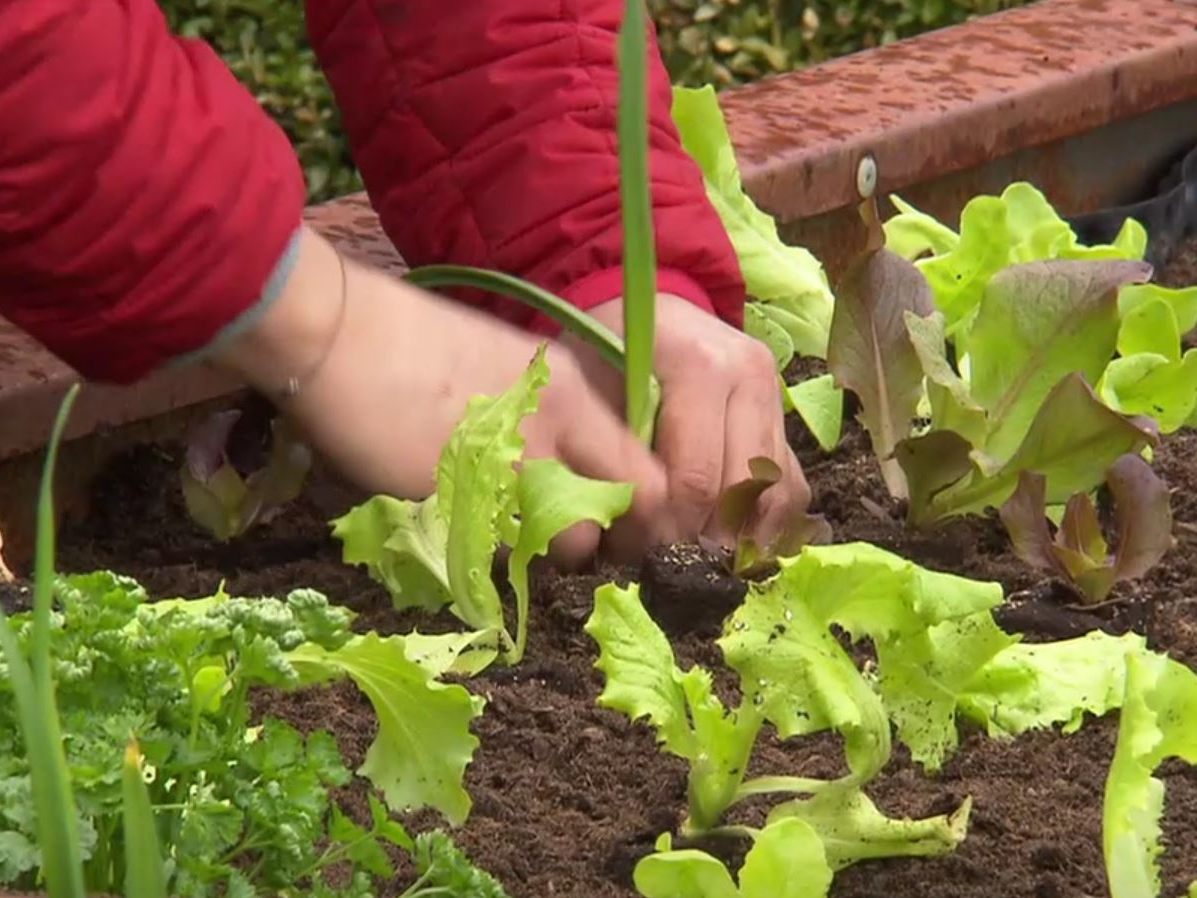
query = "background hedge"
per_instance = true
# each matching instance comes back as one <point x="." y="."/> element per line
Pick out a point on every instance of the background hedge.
<point x="724" y="42"/>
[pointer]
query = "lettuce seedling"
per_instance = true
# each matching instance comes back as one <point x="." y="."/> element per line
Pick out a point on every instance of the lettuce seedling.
<point x="439" y="552"/>
<point x="223" y="501"/>
<point x="1159" y="721"/>
<point x="996" y="232"/>
<point x="796" y="676"/>
<point x="786" y="861"/>
<point x="1078" y="552"/>
<point x="953" y="431"/>
<point x="1150" y="377"/>
<point x="734" y="509"/>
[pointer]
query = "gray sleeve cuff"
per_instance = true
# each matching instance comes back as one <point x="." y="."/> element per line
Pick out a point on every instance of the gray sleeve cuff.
<point x="275" y="284"/>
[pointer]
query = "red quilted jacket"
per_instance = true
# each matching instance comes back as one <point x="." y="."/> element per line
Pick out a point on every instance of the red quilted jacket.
<point x="146" y="202"/>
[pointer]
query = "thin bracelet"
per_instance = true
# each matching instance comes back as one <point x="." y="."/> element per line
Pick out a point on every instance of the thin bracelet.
<point x="291" y="390"/>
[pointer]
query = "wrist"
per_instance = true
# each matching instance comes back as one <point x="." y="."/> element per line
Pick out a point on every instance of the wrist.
<point x="289" y="341"/>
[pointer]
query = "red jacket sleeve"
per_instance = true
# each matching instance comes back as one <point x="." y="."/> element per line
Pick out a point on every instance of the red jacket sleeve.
<point x="485" y="133"/>
<point x="146" y="201"/>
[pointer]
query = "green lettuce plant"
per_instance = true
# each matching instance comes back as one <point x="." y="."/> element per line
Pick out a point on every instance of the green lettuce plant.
<point x="795" y="675"/>
<point x="1152" y="375"/>
<point x="955" y="422"/>
<point x="940" y="659"/>
<point x="439" y="552"/>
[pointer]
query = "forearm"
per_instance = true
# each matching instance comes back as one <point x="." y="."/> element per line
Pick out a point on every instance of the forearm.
<point x="383" y="364"/>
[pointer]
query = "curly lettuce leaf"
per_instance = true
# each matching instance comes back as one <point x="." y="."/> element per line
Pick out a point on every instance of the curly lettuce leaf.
<point x="958" y="278"/>
<point x="475" y="485"/>
<point x="551" y="499"/>
<point x="1154" y="386"/>
<point x="643" y="681"/>
<point x="1018" y="226"/>
<point x="403" y="545"/>
<point x="786" y="861"/>
<point x="1182" y="301"/>
<point x="424" y="741"/>
<point x="929" y="628"/>
<point x="1159" y="714"/>
<point x="913" y="234"/>
<point x="440" y="551"/>
<point x="787" y="281"/>
<point x="1027" y="687"/>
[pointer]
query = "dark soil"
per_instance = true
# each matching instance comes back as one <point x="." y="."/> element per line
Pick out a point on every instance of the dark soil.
<point x="1181" y="270"/>
<point x="568" y="797"/>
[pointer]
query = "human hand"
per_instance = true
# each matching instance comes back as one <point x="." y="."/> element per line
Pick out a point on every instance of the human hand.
<point x="720" y="407"/>
<point x="396" y="368"/>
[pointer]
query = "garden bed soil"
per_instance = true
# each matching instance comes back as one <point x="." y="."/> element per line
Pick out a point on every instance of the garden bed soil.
<point x="1181" y="270"/>
<point x="567" y="797"/>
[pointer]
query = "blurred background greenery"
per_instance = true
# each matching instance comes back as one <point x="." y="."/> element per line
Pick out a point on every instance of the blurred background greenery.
<point x="720" y="42"/>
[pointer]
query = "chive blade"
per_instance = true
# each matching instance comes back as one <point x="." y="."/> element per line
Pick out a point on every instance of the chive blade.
<point x="640" y="257"/>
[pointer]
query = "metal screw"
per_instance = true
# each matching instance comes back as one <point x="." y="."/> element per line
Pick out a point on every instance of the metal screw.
<point x="866" y="177"/>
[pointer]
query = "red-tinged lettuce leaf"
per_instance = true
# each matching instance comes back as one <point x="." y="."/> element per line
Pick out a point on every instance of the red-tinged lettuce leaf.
<point x="870" y="351"/>
<point x="1080" y="528"/>
<point x="1037" y="323"/>
<point x="1072" y="442"/>
<point x="1024" y="515"/>
<point x="1143" y="513"/>
<point x="735" y="511"/>
<point x="217" y="496"/>
<point x="1078" y="552"/>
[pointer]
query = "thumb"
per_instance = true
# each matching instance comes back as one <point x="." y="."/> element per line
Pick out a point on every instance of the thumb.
<point x="598" y="445"/>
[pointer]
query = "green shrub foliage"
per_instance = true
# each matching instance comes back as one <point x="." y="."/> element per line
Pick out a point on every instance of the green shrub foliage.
<point x="720" y="42"/>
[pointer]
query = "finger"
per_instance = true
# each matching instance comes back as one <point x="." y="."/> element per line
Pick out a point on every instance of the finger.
<point x="691" y="434"/>
<point x="573" y="548"/>
<point x="781" y="507"/>
<point x="596" y="444"/>
<point x="754" y="428"/>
